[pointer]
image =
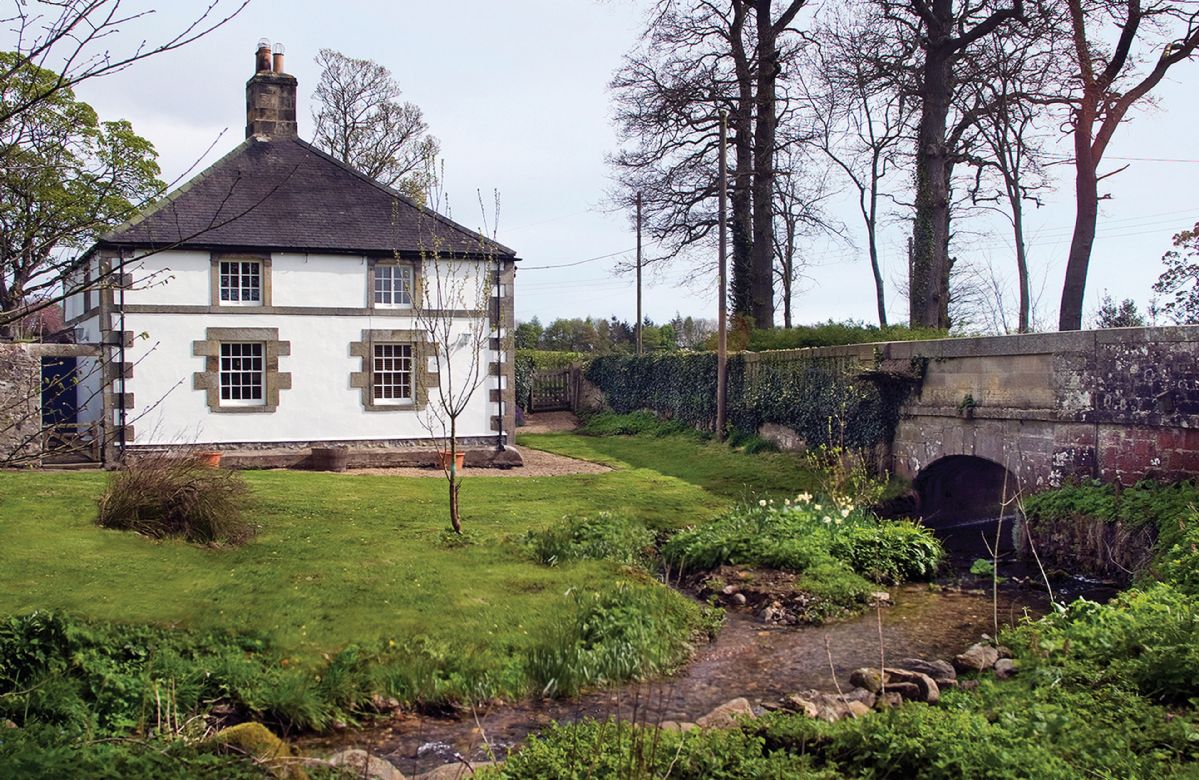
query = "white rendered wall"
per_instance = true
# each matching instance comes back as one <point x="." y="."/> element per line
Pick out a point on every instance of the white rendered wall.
<point x="318" y="280"/>
<point x="174" y="278"/>
<point x="321" y="405"/>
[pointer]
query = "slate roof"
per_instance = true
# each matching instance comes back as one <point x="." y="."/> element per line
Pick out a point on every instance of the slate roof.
<point x="285" y="194"/>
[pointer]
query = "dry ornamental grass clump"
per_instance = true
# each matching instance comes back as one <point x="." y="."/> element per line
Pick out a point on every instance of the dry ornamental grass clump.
<point x="178" y="496"/>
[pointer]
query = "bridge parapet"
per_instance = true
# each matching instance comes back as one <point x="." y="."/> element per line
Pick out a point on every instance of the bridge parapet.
<point x="1119" y="404"/>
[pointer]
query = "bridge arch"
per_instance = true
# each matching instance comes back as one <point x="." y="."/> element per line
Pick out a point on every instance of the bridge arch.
<point x="959" y="488"/>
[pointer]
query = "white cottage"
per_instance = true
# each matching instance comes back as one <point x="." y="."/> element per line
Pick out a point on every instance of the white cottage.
<point x="271" y="302"/>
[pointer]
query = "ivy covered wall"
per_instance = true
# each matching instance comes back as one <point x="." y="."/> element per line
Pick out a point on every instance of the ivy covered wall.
<point x="820" y="397"/>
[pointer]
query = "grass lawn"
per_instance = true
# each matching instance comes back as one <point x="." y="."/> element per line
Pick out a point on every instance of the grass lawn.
<point x="358" y="558"/>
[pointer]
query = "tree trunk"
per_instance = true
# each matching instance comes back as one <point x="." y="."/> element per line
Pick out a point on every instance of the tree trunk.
<point x="1087" y="204"/>
<point x="455" y="518"/>
<point x="765" y="123"/>
<point x="1021" y="260"/>
<point x="880" y="289"/>
<point x="741" y="193"/>
<point x="929" y="283"/>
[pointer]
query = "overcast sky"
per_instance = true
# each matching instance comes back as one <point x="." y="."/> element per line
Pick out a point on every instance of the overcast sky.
<point x="517" y="93"/>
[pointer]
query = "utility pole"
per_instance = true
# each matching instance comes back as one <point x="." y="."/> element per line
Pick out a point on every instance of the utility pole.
<point x="638" y="273"/>
<point x="722" y="351"/>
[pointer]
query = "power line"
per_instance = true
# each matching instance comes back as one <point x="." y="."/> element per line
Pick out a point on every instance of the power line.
<point x="576" y="262"/>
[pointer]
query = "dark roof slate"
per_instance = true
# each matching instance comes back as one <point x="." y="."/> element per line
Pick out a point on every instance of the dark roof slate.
<point x="285" y="194"/>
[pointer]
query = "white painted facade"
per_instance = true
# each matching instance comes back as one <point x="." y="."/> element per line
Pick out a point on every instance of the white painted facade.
<point x="320" y="305"/>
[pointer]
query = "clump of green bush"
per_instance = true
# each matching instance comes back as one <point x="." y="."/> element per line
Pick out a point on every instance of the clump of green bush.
<point x="608" y="638"/>
<point x="832" y="334"/>
<point x="1146" y="503"/>
<point x="1000" y="730"/>
<point x="180" y="496"/>
<point x="604" y="536"/>
<point x="805" y="534"/>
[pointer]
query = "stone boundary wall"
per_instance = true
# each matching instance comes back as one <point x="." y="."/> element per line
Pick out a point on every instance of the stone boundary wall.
<point x="21" y="398"/>
<point x="20" y="404"/>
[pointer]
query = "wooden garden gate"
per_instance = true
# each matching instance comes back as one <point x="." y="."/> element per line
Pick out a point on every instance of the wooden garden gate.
<point x="553" y="391"/>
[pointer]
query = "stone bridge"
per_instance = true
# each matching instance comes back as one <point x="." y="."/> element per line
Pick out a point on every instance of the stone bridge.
<point x="991" y="416"/>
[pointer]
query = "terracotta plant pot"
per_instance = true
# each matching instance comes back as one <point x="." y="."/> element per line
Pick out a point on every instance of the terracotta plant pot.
<point x="443" y="459"/>
<point x="210" y="459"/>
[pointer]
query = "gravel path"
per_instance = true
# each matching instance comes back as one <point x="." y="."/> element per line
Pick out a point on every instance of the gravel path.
<point x="537" y="463"/>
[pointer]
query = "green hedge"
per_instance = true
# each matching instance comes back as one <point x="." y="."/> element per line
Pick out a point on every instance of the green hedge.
<point x="816" y="397"/>
<point x="833" y="334"/>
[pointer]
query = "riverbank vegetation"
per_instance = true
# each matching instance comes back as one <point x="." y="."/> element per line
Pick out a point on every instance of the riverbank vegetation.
<point x="1103" y="690"/>
<point x="348" y="594"/>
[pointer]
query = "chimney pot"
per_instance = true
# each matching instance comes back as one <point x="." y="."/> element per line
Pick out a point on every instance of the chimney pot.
<point x="262" y="57"/>
<point x="270" y="96"/>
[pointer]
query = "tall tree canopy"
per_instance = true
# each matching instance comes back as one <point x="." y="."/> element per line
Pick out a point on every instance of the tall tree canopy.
<point x="359" y="119"/>
<point x="1151" y="37"/>
<point x="65" y="177"/>
<point x="695" y="58"/>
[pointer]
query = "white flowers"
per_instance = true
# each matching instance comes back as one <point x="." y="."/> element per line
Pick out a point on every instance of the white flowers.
<point x="804" y="498"/>
<point x="761" y="502"/>
<point x="828" y="520"/>
<point x="845" y="512"/>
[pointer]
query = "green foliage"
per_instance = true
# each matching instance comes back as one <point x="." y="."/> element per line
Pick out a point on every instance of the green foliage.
<point x="42" y="752"/>
<point x="1159" y="505"/>
<point x="168" y="496"/>
<point x="816" y="397"/>
<point x="1118" y="315"/>
<point x="804" y="535"/>
<point x="604" y="536"/>
<point x="607" y="638"/>
<point x="889" y="551"/>
<point x="65" y="178"/>
<point x="1006" y="731"/>
<point x="618" y="749"/>
<point x="1143" y="640"/>
<point x="1178" y="564"/>
<point x="635" y="424"/>
<point x="832" y="334"/>
<point x="834" y="550"/>
<point x="1180" y="280"/>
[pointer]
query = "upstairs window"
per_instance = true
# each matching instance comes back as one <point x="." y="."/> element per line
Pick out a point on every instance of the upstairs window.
<point x="241" y="282"/>
<point x="391" y="374"/>
<point x="241" y="379"/>
<point x="393" y="285"/>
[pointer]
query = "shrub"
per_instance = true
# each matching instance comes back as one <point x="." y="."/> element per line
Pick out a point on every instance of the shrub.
<point x="891" y="552"/>
<point x="801" y="536"/>
<point x="609" y="638"/>
<point x="162" y="495"/>
<point x="603" y="537"/>
<point x="831" y="334"/>
<point x="599" y="749"/>
<point x="1143" y="640"/>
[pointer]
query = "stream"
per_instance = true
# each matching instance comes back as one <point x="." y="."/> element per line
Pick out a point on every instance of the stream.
<point x="747" y="658"/>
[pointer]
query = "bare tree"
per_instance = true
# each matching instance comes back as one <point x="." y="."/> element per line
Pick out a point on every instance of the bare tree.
<point x="1152" y="38"/>
<point x="945" y="29"/>
<point x="697" y="57"/>
<point x="64" y="175"/>
<point x="693" y="60"/>
<point x="1009" y="161"/>
<point x="860" y="116"/>
<point x="454" y="309"/>
<point x="77" y="40"/>
<point x="359" y="119"/>
<point x="801" y="186"/>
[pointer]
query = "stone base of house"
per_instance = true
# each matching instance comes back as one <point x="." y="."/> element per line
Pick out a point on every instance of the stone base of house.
<point x="478" y="453"/>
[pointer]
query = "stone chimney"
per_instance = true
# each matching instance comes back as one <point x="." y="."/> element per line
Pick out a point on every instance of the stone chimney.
<point x="270" y="95"/>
